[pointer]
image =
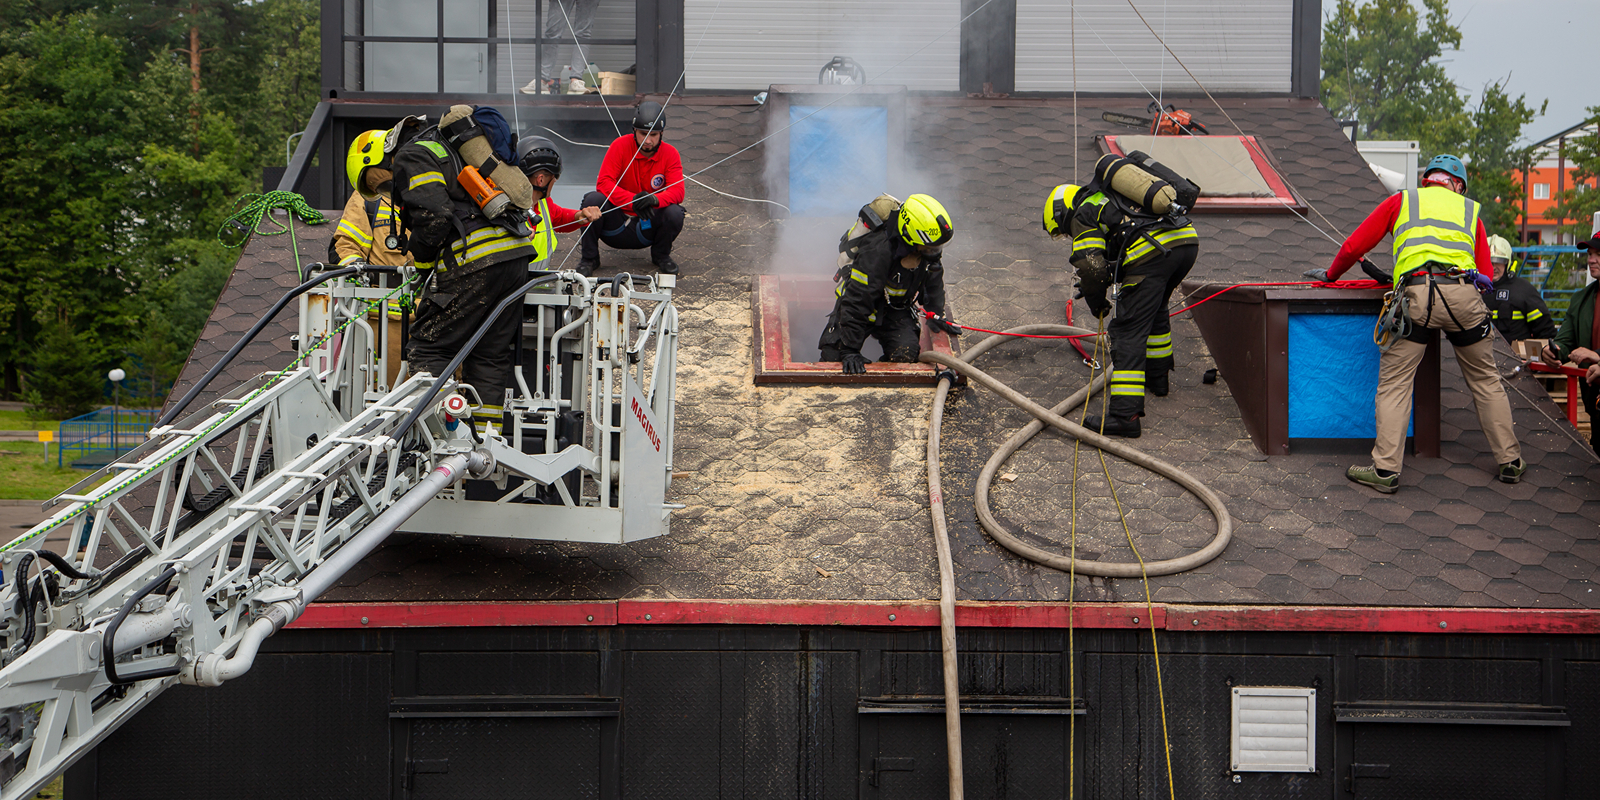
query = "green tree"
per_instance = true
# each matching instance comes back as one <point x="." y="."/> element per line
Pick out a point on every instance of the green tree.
<point x="64" y="376"/>
<point x="62" y="95"/>
<point x="1380" y="65"/>
<point x="1493" y="158"/>
<point x="287" y="69"/>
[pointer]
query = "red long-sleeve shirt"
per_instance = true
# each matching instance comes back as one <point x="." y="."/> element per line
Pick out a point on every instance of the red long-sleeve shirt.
<point x="565" y="220"/>
<point x="661" y="173"/>
<point x="1378" y="225"/>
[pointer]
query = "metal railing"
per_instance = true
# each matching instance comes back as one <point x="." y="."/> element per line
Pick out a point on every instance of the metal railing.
<point x="107" y="432"/>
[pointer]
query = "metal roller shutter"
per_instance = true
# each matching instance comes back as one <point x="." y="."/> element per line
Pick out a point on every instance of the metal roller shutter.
<point x="751" y="44"/>
<point x="1230" y="45"/>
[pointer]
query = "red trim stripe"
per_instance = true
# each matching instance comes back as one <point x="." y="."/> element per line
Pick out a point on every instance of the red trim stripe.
<point x="1323" y="619"/>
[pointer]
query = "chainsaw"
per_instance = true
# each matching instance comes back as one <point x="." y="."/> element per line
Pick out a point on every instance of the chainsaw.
<point x="1166" y="122"/>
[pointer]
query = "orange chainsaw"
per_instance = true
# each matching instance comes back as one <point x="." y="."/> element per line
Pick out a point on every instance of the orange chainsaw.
<point x="1169" y="121"/>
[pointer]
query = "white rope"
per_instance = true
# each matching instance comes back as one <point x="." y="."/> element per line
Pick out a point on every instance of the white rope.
<point x="708" y="186"/>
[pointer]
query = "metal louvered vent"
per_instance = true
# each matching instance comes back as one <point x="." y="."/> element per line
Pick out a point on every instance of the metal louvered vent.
<point x="1274" y="729"/>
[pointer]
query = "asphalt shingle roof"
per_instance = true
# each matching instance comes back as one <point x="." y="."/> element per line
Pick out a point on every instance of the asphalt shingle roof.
<point x="819" y="492"/>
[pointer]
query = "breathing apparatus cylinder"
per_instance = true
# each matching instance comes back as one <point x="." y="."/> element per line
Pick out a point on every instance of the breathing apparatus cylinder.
<point x="1136" y="183"/>
<point x="478" y="154"/>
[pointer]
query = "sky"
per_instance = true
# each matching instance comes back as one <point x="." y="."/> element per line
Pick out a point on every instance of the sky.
<point x="1548" y="47"/>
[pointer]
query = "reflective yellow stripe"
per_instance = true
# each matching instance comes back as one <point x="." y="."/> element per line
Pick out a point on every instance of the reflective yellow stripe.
<point x="1535" y="314"/>
<point x="425" y="264"/>
<point x="486" y="242"/>
<point x="858" y="276"/>
<point x="362" y="238"/>
<point x="895" y="292"/>
<point x="1514" y="314"/>
<point x="1088" y="243"/>
<point x="1127" y="383"/>
<point x="349" y="258"/>
<point x="426" y="178"/>
<point x="1142" y="247"/>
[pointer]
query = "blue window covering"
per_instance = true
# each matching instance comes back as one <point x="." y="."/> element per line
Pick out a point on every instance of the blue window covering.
<point x="1333" y="376"/>
<point x="838" y="158"/>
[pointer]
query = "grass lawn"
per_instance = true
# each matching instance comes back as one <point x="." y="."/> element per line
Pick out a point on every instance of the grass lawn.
<point x="20" y="421"/>
<point x="28" y="476"/>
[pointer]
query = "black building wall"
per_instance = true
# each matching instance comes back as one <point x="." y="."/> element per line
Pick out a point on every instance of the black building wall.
<point x="787" y="712"/>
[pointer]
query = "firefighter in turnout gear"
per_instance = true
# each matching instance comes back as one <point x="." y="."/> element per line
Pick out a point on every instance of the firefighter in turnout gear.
<point x="1441" y="264"/>
<point x="1118" y="243"/>
<point x="470" y="262"/>
<point x="889" y="263"/>
<point x="1515" y="307"/>
<point x="538" y="159"/>
<point x="361" y="234"/>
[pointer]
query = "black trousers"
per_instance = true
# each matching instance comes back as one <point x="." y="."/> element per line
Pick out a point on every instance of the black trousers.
<point x="898" y="331"/>
<point x="1591" y="398"/>
<point x="453" y="307"/>
<point x="1142" y="324"/>
<point x="657" y="230"/>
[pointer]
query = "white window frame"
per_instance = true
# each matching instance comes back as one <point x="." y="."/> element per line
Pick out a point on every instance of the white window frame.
<point x="1295" y="701"/>
<point x="1541" y="191"/>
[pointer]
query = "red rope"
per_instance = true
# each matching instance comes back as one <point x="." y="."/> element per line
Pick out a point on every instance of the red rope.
<point x="1364" y="284"/>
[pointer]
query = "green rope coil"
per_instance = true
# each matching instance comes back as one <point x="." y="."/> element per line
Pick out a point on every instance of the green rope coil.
<point x="251" y="210"/>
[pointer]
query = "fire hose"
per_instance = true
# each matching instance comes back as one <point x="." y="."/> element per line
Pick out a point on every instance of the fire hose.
<point x="1043" y="416"/>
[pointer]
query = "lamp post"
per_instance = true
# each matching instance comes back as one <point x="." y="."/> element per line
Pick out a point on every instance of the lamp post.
<point x="116" y="377"/>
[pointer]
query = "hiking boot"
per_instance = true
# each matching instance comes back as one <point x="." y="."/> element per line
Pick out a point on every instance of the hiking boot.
<point x="587" y="266"/>
<point x="1126" y="427"/>
<point x="1157" y="383"/>
<point x="1368" y="476"/>
<point x="666" y="266"/>
<point x="1512" y="473"/>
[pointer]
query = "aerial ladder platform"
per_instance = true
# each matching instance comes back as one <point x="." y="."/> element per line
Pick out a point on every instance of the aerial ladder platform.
<point x="218" y="530"/>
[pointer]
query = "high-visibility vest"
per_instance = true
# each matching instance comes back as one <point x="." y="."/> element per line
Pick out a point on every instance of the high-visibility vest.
<point x="544" y="237"/>
<point x="1435" y="224"/>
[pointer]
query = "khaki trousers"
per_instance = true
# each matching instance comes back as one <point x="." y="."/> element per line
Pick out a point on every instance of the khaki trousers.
<point x="1397" y="371"/>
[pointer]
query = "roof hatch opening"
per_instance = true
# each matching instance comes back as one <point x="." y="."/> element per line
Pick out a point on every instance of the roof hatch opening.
<point x="790" y="312"/>
<point x="1235" y="173"/>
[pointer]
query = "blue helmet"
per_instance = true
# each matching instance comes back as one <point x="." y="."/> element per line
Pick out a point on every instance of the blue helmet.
<point x="1449" y="165"/>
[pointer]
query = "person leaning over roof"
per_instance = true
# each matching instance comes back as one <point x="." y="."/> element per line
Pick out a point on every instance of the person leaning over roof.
<point x="1441" y="262"/>
<point x="1576" y="341"/>
<point x="639" y="192"/>
<point x="1515" y="307"/>
<point x="471" y="262"/>
<point x="889" y="262"/>
<point x="538" y="159"/>
<point x="1147" y="256"/>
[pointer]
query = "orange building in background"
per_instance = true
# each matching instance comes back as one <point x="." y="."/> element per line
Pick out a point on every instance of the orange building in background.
<point x="1552" y="173"/>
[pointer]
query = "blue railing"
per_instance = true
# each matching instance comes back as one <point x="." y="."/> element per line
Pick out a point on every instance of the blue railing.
<point x="98" y="437"/>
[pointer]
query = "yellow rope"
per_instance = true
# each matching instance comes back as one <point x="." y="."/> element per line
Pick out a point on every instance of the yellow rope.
<point x="1150" y="608"/>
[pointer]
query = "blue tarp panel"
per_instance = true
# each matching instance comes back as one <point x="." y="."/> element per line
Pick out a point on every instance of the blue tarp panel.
<point x="1333" y="376"/>
<point x="838" y="159"/>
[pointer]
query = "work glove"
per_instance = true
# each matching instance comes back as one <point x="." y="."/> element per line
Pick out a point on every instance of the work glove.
<point x="1099" y="306"/>
<point x="1484" y="283"/>
<point x="642" y="204"/>
<point x="853" y="364"/>
<point x="1320" y="275"/>
<point x="1376" y="273"/>
<point x="938" y="322"/>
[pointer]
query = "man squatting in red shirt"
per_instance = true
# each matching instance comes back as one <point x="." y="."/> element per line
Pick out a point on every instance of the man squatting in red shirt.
<point x="640" y="192"/>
